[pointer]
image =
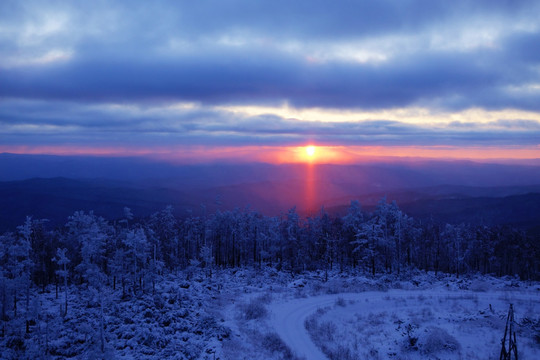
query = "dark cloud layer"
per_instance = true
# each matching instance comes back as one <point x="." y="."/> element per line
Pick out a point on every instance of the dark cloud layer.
<point x="71" y="123"/>
<point x="64" y="64"/>
<point x="266" y="78"/>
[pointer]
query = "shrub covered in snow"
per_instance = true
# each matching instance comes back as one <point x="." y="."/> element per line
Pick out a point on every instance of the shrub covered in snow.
<point x="254" y="309"/>
<point x="272" y="342"/>
<point x="437" y="340"/>
<point x="479" y="285"/>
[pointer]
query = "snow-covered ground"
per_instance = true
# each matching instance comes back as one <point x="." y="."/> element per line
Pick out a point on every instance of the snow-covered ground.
<point x="261" y="314"/>
<point x="425" y="317"/>
<point x="405" y="324"/>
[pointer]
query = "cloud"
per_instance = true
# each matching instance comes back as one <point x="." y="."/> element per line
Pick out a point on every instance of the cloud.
<point x="49" y="122"/>
<point x="257" y="77"/>
<point x="111" y="71"/>
<point x="366" y="55"/>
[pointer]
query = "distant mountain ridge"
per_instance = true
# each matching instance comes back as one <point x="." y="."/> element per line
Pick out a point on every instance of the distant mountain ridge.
<point x="53" y="187"/>
<point x="57" y="198"/>
<point x="404" y="174"/>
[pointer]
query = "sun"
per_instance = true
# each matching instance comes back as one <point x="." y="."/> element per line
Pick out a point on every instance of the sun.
<point x="311" y="154"/>
<point x="310" y="151"/>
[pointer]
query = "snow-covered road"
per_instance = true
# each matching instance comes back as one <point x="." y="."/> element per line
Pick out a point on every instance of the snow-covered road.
<point x="288" y="318"/>
<point x="288" y="321"/>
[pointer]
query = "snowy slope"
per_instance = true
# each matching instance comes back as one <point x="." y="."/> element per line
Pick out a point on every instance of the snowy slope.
<point x="384" y="315"/>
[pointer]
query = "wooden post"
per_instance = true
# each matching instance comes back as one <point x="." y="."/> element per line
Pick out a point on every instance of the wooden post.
<point x="510" y="353"/>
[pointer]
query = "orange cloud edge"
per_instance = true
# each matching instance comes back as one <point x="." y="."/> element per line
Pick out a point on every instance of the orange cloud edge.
<point x="289" y="154"/>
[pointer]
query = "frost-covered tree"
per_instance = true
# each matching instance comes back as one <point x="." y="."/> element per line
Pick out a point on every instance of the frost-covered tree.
<point x="93" y="236"/>
<point x="352" y="223"/>
<point x="62" y="261"/>
<point x="321" y="241"/>
<point x="291" y="241"/>
<point x="207" y="258"/>
<point x="42" y="245"/>
<point x="385" y="217"/>
<point x="136" y="257"/>
<point x="4" y="279"/>
<point x="128" y="214"/>
<point x="399" y="226"/>
<point x="366" y="245"/>
<point x="19" y="265"/>
<point x="353" y="220"/>
<point x="25" y="261"/>
<point x="453" y="245"/>
<point x="117" y="267"/>
<point x="88" y="241"/>
<point x="190" y="240"/>
<point x="164" y="227"/>
<point x="156" y="267"/>
<point x="270" y="241"/>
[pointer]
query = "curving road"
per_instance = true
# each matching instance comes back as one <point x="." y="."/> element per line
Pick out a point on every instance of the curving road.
<point x="288" y="320"/>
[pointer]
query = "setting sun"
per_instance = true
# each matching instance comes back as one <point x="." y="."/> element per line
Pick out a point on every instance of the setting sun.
<point x="310" y="150"/>
<point x="314" y="154"/>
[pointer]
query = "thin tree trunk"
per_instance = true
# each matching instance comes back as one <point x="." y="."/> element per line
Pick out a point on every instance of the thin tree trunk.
<point x="28" y="307"/>
<point x="4" y="319"/>
<point x="101" y="323"/>
<point x="65" y="290"/>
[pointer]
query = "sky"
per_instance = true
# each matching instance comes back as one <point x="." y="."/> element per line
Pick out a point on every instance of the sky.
<point x="262" y="80"/>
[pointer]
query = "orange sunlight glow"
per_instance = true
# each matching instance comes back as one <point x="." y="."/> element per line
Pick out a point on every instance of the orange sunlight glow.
<point x="310" y="154"/>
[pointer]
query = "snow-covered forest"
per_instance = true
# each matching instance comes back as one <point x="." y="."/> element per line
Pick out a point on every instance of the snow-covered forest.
<point x="176" y="180"/>
<point x="158" y="286"/>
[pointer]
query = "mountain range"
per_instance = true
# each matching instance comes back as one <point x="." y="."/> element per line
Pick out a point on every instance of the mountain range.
<point x="53" y="187"/>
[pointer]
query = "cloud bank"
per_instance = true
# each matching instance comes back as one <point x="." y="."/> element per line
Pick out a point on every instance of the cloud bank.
<point x="105" y="73"/>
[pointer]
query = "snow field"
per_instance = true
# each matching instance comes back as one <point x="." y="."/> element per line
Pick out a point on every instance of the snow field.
<point x="261" y="314"/>
<point x="404" y="324"/>
<point x="448" y="317"/>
